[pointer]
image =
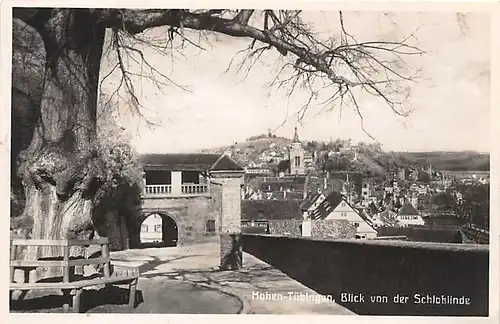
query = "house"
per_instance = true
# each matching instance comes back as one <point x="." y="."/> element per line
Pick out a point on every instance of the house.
<point x="283" y="217"/>
<point x="335" y="207"/>
<point x="258" y="170"/>
<point x="151" y="229"/>
<point x="276" y="217"/>
<point x="408" y="215"/>
<point x="308" y="158"/>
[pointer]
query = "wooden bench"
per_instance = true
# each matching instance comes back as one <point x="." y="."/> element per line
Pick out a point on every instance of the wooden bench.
<point x="69" y="283"/>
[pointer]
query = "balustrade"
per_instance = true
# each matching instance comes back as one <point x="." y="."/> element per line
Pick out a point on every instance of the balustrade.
<point x="186" y="189"/>
<point x="194" y="188"/>
<point x="158" y="189"/>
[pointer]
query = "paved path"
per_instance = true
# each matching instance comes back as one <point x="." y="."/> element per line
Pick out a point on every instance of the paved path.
<point x="187" y="278"/>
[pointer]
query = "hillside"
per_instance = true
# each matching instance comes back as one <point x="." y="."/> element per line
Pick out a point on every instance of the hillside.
<point x="370" y="162"/>
<point x="368" y="165"/>
<point x="245" y="152"/>
<point x="452" y="161"/>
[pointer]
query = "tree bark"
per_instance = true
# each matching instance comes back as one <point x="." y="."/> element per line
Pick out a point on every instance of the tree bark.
<point x="58" y="168"/>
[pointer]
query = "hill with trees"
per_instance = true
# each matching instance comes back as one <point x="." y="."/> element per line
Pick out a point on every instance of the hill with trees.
<point x="366" y="158"/>
<point x="452" y="161"/>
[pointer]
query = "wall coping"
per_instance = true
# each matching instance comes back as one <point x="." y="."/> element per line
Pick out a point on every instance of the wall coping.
<point x="388" y="244"/>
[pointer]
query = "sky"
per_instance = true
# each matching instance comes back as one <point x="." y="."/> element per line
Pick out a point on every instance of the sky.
<point x="450" y="103"/>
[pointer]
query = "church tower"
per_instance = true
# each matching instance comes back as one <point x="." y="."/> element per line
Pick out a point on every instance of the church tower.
<point x="296" y="156"/>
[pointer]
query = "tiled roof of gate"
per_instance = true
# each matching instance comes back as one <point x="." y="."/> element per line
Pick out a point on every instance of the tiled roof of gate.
<point x="270" y="210"/>
<point x="189" y="162"/>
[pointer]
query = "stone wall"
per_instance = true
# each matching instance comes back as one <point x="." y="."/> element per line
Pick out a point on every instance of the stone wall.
<point x="349" y="268"/>
<point x="198" y="213"/>
<point x="332" y="228"/>
<point x="284" y="226"/>
<point x="191" y="216"/>
<point x="319" y="228"/>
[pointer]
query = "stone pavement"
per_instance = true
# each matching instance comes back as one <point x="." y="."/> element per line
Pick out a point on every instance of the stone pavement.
<point x="187" y="280"/>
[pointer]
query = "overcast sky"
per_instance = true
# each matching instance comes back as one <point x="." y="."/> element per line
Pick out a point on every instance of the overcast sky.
<point x="450" y="103"/>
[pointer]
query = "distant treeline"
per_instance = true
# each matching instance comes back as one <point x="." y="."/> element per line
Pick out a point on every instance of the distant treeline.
<point x="452" y="161"/>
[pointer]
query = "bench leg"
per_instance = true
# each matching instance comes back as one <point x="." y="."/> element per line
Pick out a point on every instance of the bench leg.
<point x="66" y="294"/>
<point x="131" y="297"/>
<point x="76" y="300"/>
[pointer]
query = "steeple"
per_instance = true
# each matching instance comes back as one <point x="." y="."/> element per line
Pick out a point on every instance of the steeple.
<point x="296" y="137"/>
<point x="296" y="156"/>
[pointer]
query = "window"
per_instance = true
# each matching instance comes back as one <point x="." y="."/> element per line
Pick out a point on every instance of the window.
<point x="144" y="228"/>
<point x="158" y="228"/>
<point x="343" y="214"/>
<point x="211" y="225"/>
<point x="356" y="225"/>
<point x="343" y="204"/>
<point x="297" y="161"/>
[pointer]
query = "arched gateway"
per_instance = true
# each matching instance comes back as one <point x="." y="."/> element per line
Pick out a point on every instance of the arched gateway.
<point x="194" y="197"/>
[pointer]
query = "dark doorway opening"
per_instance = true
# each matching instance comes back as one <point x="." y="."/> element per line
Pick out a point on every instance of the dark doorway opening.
<point x="170" y="233"/>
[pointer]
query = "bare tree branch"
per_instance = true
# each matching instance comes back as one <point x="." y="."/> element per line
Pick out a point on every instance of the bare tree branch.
<point x="326" y="68"/>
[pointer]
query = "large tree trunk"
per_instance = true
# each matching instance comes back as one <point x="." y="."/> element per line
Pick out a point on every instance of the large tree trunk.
<point x="58" y="168"/>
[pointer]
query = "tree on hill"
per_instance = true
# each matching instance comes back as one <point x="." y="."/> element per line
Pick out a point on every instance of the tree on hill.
<point x="424" y="177"/>
<point x="284" y="166"/>
<point x="60" y="168"/>
<point x="337" y="163"/>
<point x="475" y="208"/>
<point x="312" y="145"/>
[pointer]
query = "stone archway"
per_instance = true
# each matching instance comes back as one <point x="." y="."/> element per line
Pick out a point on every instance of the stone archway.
<point x="158" y="229"/>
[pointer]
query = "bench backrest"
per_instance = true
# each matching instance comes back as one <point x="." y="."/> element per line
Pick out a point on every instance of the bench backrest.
<point x="66" y="263"/>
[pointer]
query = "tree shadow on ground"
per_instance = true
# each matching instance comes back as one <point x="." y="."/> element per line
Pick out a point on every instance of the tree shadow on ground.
<point x="154" y="263"/>
<point x="90" y="299"/>
<point x="258" y="276"/>
<point x="149" y="245"/>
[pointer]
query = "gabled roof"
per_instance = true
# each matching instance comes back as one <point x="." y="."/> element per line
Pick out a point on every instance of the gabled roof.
<point x="309" y="201"/>
<point x="408" y="209"/>
<point x="388" y="218"/>
<point x="270" y="210"/>
<point x="189" y="162"/>
<point x="327" y="206"/>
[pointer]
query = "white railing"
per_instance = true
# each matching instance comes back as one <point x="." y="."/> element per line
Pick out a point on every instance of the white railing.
<point x="158" y="189"/>
<point x="166" y="190"/>
<point x="194" y="188"/>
